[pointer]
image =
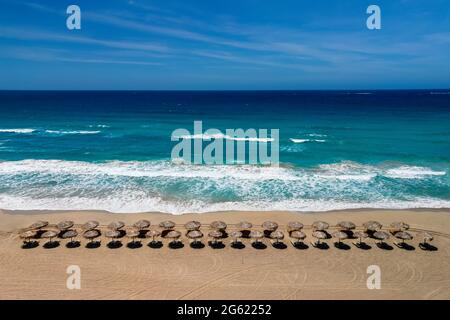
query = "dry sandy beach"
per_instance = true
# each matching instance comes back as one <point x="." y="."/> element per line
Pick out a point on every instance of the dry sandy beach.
<point x="248" y="273"/>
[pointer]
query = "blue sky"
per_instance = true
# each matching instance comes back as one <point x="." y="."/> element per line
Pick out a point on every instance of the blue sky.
<point x="224" y="44"/>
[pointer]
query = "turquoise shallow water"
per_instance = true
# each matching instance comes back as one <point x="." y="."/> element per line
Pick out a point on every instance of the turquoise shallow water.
<point x="111" y="150"/>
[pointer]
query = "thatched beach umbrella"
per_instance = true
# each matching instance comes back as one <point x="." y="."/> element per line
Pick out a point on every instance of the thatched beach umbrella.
<point x="319" y="235"/>
<point x="116" y="225"/>
<point x="91" y="234"/>
<point x="257" y="235"/>
<point x="361" y="235"/>
<point x="69" y="234"/>
<point x="194" y="235"/>
<point x="372" y="226"/>
<point x="244" y="225"/>
<point x="218" y="225"/>
<point x="320" y="225"/>
<point x="192" y="225"/>
<point x="235" y="235"/>
<point x="142" y="224"/>
<point x="174" y="235"/>
<point x="270" y="226"/>
<point x="298" y="235"/>
<point x="167" y="225"/>
<point x="90" y="225"/>
<point x="294" y="226"/>
<point x="346" y="225"/>
<point x="427" y="237"/>
<point x="277" y="235"/>
<point x="403" y="235"/>
<point x="64" y="225"/>
<point x="132" y="233"/>
<point x="112" y="234"/>
<point x="27" y="235"/>
<point x="398" y="226"/>
<point x="381" y="235"/>
<point x="340" y="235"/>
<point x="215" y="234"/>
<point x="50" y="234"/>
<point x="38" y="225"/>
<point x="153" y="234"/>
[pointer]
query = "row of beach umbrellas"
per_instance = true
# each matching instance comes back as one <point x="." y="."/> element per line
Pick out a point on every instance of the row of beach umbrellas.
<point x="90" y="231"/>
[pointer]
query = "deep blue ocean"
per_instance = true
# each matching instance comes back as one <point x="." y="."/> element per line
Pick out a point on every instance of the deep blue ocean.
<point x="111" y="150"/>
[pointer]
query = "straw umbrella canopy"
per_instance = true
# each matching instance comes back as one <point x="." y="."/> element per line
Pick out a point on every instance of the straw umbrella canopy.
<point x="132" y="233"/>
<point x="319" y="235"/>
<point x="381" y="235"/>
<point x="256" y="234"/>
<point x="346" y="225"/>
<point x="50" y="234"/>
<point x="69" y="234"/>
<point x="112" y="234"/>
<point x="192" y="225"/>
<point x="320" y="225"/>
<point x="361" y="235"/>
<point x="427" y="237"/>
<point x="399" y="226"/>
<point x="277" y="235"/>
<point x="218" y="225"/>
<point x="194" y="235"/>
<point x="403" y="235"/>
<point x="38" y="225"/>
<point x="174" y="235"/>
<point x="244" y="225"/>
<point x="116" y="225"/>
<point x="90" y="225"/>
<point x="372" y="225"/>
<point x="270" y="225"/>
<point x="167" y="225"/>
<point x="64" y="225"/>
<point x="142" y="224"/>
<point x="28" y="234"/>
<point x="215" y="234"/>
<point x="235" y="235"/>
<point x="298" y="235"/>
<point x="91" y="234"/>
<point x="340" y="235"/>
<point x="153" y="234"/>
<point x="294" y="226"/>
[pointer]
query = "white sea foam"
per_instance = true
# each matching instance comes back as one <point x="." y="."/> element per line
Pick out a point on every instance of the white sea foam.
<point x="17" y="130"/>
<point x="306" y="140"/>
<point x="204" y="136"/>
<point x="136" y="203"/>
<point x="63" y="132"/>
<point x="412" y="172"/>
<point x="136" y="186"/>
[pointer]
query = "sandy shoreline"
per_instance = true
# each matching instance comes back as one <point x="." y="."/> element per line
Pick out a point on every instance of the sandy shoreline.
<point x="248" y="273"/>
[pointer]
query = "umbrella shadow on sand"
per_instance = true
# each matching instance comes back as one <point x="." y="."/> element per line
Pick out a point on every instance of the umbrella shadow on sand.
<point x="237" y="245"/>
<point x="93" y="245"/>
<point x="114" y="244"/>
<point x="176" y="245"/>
<point x="300" y="245"/>
<point x="322" y="246"/>
<point x="134" y="245"/>
<point x="155" y="244"/>
<point x="73" y="244"/>
<point x="259" y="245"/>
<point x="405" y="246"/>
<point x="197" y="245"/>
<point x="216" y="244"/>
<point x="51" y="245"/>
<point x="362" y="245"/>
<point x="30" y="244"/>
<point x="384" y="246"/>
<point x="427" y="247"/>
<point x="279" y="245"/>
<point x="341" y="246"/>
